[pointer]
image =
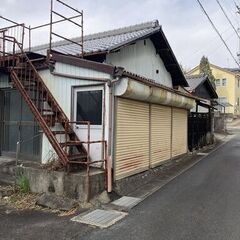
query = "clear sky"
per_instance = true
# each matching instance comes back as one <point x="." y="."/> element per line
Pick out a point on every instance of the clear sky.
<point x="185" y="25"/>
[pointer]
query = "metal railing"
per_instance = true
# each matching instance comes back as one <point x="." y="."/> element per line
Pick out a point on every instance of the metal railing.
<point x="76" y="19"/>
<point x="90" y="162"/>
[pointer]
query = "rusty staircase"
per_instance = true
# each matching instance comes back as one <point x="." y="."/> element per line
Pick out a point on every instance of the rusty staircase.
<point x="43" y="105"/>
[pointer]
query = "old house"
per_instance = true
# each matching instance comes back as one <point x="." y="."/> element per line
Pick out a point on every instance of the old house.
<point x="201" y="116"/>
<point x="117" y="108"/>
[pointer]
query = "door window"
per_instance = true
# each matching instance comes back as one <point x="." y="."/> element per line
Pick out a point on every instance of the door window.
<point x="89" y="106"/>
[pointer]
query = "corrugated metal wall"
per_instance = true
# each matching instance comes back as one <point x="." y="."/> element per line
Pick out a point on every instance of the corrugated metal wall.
<point x="132" y="138"/>
<point x="160" y="134"/>
<point x="179" y="131"/>
<point x="146" y="135"/>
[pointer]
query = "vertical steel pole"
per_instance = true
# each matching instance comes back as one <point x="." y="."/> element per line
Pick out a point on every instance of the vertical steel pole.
<point x="29" y="38"/>
<point x="17" y="152"/>
<point x="88" y="163"/>
<point x="82" y="33"/>
<point x="3" y="33"/>
<point x="50" y="37"/>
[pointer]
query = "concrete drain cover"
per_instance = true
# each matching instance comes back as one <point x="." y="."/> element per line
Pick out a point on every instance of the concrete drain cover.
<point x="100" y="218"/>
<point x="202" y="154"/>
<point x="127" y="202"/>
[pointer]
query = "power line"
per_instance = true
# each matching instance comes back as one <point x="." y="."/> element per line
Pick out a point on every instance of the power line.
<point x="225" y="14"/>
<point x="210" y="44"/>
<point x="216" y="30"/>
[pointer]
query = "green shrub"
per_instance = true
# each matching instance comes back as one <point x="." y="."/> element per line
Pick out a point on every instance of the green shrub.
<point x="23" y="184"/>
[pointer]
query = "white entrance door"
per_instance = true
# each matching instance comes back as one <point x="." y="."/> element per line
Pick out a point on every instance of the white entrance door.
<point x="88" y="106"/>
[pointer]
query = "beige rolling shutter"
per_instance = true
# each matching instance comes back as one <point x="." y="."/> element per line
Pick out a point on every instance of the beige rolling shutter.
<point x="160" y="134"/>
<point x="179" y="133"/>
<point x="132" y="138"/>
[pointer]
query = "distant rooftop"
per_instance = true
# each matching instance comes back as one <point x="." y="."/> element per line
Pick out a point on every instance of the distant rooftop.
<point x="234" y="70"/>
<point x="195" y="80"/>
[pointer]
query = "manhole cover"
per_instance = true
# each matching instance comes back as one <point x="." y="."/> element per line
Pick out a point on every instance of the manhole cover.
<point x="100" y="218"/>
<point x="127" y="202"/>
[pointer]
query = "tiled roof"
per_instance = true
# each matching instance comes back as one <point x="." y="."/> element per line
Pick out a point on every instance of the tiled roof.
<point x="194" y="81"/>
<point x="104" y="41"/>
<point x="108" y="41"/>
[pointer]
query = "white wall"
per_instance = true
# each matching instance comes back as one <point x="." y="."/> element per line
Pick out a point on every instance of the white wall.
<point x="61" y="88"/>
<point x="143" y="60"/>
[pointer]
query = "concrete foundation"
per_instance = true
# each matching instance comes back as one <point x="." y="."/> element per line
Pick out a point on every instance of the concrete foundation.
<point x="71" y="185"/>
<point x="130" y="184"/>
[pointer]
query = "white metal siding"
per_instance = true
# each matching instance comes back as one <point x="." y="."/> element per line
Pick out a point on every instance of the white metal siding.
<point x="179" y="131"/>
<point x="160" y="134"/>
<point x="143" y="60"/>
<point x="61" y="88"/>
<point x="132" y="138"/>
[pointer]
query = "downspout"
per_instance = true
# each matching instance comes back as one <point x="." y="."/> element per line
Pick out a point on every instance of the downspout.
<point x="110" y="136"/>
<point x="111" y="85"/>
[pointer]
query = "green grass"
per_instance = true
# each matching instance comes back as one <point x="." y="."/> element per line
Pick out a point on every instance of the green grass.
<point x="23" y="184"/>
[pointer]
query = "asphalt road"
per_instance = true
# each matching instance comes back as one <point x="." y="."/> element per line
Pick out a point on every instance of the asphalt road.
<point x="202" y="203"/>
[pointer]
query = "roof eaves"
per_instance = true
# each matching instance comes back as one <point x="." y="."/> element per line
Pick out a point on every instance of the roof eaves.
<point x="79" y="62"/>
<point x="183" y="79"/>
<point x="215" y="66"/>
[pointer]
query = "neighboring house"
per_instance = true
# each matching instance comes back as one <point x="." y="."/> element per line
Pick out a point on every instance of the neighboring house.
<point x="138" y="119"/>
<point x="227" y="87"/>
<point x="200" y="86"/>
<point x="201" y="117"/>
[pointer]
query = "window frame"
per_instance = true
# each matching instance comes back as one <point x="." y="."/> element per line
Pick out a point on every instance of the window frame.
<point x="218" y="80"/>
<point x="87" y="88"/>
<point x="224" y="82"/>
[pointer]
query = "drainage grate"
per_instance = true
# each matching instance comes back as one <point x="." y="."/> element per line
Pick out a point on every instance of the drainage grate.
<point x="100" y="218"/>
<point x="127" y="202"/>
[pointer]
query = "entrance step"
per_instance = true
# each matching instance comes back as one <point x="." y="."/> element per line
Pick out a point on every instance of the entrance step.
<point x="7" y="165"/>
<point x="6" y="179"/>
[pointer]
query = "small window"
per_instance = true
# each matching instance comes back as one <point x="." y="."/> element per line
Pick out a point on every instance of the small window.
<point x="238" y="83"/>
<point x="238" y="101"/>
<point x="224" y="82"/>
<point x="217" y="82"/>
<point x="89" y="106"/>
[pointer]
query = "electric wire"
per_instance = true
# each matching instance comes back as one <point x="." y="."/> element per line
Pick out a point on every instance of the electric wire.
<point x="225" y="14"/>
<point x="216" y="30"/>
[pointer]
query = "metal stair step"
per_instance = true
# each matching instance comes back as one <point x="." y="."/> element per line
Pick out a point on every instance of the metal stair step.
<point x="70" y="143"/>
<point x="76" y="157"/>
<point x="60" y="132"/>
<point x="28" y="82"/>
